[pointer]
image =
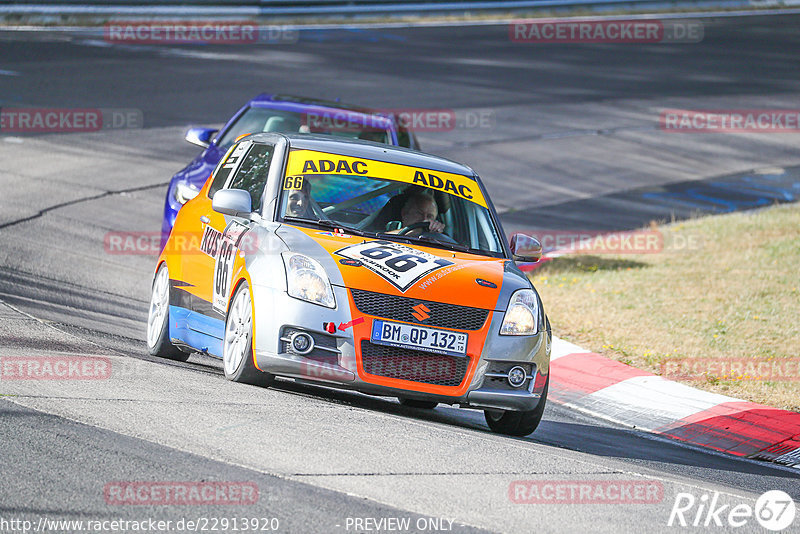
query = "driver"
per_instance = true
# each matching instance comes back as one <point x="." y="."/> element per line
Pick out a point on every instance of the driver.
<point x="418" y="208"/>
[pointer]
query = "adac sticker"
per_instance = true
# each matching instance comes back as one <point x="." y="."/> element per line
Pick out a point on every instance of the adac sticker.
<point x="305" y="162"/>
<point x="336" y="233"/>
<point x="398" y="264"/>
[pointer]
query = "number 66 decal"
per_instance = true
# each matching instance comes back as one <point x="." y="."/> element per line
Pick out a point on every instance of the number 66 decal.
<point x="397" y="264"/>
<point x="223" y="263"/>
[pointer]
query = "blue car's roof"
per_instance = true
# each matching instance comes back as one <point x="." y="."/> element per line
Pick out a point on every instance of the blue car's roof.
<point x="324" y="108"/>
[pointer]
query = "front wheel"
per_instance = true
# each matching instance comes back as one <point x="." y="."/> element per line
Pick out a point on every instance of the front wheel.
<point x="517" y="423"/>
<point x="237" y="347"/>
<point x="158" y="343"/>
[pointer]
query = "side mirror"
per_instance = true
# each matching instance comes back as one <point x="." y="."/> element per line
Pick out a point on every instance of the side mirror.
<point x="234" y="202"/>
<point x="200" y="136"/>
<point x="525" y="248"/>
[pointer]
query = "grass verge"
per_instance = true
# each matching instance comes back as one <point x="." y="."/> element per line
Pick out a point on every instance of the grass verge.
<point x="721" y="298"/>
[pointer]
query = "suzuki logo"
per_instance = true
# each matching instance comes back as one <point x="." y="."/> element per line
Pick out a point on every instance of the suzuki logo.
<point x="420" y="312"/>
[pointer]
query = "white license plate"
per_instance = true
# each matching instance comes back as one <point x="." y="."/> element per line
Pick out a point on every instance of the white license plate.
<point x="419" y="338"/>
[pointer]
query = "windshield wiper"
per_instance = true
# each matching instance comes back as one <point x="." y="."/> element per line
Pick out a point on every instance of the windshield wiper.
<point x="427" y="240"/>
<point x="454" y="246"/>
<point x="326" y="223"/>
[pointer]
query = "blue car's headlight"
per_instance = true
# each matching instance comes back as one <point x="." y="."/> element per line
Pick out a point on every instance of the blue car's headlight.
<point x="185" y="192"/>
<point x="307" y="280"/>
<point x="522" y="315"/>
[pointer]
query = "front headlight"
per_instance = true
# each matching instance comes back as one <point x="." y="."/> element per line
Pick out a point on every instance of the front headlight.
<point x="185" y="192"/>
<point x="307" y="280"/>
<point x="522" y="316"/>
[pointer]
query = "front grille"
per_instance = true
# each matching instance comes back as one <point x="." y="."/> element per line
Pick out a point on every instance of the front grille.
<point x="402" y="308"/>
<point x="414" y="365"/>
<point x="317" y="353"/>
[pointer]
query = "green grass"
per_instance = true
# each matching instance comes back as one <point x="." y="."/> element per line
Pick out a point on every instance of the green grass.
<point x="734" y="295"/>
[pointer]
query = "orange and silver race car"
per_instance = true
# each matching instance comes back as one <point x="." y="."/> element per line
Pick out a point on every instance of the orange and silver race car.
<point x="358" y="265"/>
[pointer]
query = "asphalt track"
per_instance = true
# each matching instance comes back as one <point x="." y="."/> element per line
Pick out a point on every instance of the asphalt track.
<point x="569" y="123"/>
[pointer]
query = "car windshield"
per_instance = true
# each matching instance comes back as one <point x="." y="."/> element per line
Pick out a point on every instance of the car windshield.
<point x="337" y="123"/>
<point x="397" y="202"/>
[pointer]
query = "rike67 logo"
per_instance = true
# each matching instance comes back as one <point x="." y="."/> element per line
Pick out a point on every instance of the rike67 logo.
<point x="774" y="510"/>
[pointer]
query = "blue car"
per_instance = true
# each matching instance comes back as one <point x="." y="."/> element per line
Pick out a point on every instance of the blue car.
<point x="283" y="114"/>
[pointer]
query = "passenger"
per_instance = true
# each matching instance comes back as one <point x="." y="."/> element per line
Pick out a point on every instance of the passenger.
<point x="374" y="135"/>
<point x="298" y="204"/>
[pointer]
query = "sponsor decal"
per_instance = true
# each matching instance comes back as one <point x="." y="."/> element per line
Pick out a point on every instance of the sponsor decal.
<point x="293" y="182"/>
<point x="421" y="312"/>
<point x="440" y="274"/>
<point x="235" y="156"/>
<point x="336" y="233"/>
<point x="351" y="263"/>
<point x="398" y="264"/>
<point x="310" y="162"/>
<point x="340" y="166"/>
<point x="223" y="263"/>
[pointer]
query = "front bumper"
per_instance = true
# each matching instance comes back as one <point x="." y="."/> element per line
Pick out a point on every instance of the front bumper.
<point x="339" y="363"/>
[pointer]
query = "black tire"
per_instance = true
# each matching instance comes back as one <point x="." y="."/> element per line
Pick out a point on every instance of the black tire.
<point x="245" y="372"/>
<point x="514" y="423"/>
<point x="162" y="346"/>
<point x="414" y="403"/>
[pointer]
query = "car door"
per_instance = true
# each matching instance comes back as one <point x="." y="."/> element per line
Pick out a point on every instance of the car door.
<point x="209" y="271"/>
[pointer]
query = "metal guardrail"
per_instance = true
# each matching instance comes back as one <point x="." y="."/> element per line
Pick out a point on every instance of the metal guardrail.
<point x="304" y="7"/>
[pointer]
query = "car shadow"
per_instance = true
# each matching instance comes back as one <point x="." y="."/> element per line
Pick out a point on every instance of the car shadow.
<point x="606" y="441"/>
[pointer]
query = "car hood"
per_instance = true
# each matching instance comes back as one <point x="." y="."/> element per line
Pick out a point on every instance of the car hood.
<point x="419" y="272"/>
